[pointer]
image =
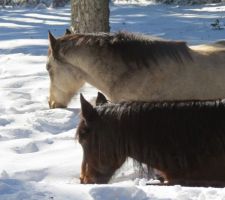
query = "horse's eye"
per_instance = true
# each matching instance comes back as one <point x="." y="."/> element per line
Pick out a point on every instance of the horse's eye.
<point x="83" y="134"/>
<point x="85" y="131"/>
<point x="48" y="66"/>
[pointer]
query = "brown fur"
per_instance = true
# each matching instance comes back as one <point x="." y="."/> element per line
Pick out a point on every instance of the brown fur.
<point x="185" y="140"/>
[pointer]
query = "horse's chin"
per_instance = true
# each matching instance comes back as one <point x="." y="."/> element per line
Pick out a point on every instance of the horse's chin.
<point x="53" y="104"/>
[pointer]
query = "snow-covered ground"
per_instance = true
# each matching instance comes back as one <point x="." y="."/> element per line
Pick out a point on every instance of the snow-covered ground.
<point x="39" y="158"/>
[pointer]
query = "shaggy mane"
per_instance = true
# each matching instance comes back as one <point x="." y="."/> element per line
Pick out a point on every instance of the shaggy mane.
<point x="137" y="48"/>
<point x="147" y="131"/>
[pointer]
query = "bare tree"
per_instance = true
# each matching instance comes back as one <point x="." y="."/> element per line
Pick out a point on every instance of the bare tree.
<point x="90" y="16"/>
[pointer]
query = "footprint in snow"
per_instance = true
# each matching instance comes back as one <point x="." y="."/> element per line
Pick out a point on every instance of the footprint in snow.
<point x="31" y="175"/>
<point x="4" y="122"/>
<point x="29" y="148"/>
<point x="32" y="147"/>
<point x="55" y="121"/>
<point x="118" y="192"/>
<point x="15" y="133"/>
<point x="13" y="189"/>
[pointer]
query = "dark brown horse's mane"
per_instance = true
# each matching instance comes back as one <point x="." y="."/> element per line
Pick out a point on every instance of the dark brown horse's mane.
<point x="159" y="133"/>
<point x="137" y="48"/>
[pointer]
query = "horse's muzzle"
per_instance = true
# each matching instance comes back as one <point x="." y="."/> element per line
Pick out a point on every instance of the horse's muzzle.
<point x="53" y="104"/>
<point x="94" y="180"/>
<point x="86" y="180"/>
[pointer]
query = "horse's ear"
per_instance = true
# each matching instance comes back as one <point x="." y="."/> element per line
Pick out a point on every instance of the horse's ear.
<point x="101" y="99"/>
<point x="52" y="42"/>
<point x="87" y="109"/>
<point x="68" y="32"/>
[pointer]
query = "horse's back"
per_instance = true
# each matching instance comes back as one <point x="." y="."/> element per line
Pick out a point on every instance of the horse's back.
<point x="220" y="42"/>
<point x="210" y="48"/>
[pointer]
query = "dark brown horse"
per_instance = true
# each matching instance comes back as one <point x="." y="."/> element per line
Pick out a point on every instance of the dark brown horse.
<point x="184" y="140"/>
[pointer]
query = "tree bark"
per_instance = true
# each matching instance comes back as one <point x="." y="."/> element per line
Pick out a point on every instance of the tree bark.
<point x="89" y="16"/>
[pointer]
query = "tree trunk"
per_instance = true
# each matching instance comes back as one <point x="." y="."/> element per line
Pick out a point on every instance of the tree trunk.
<point x="89" y="16"/>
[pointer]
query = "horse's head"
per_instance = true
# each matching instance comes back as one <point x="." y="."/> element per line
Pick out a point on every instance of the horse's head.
<point x="99" y="160"/>
<point x="65" y="79"/>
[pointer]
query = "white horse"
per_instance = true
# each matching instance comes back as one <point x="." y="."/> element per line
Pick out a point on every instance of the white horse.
<point x="126" y="66"/>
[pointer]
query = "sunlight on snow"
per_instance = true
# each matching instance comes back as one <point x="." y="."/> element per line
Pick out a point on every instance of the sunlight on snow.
<point x="209" y="9"/>
<point x="45" y="16"/>
<point x="14" y="25"/>
<point x="16" y="43"/>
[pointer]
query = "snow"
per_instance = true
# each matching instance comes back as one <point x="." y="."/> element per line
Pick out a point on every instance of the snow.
<point x="133" y="2"/>
<point x="39" y="157"/>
